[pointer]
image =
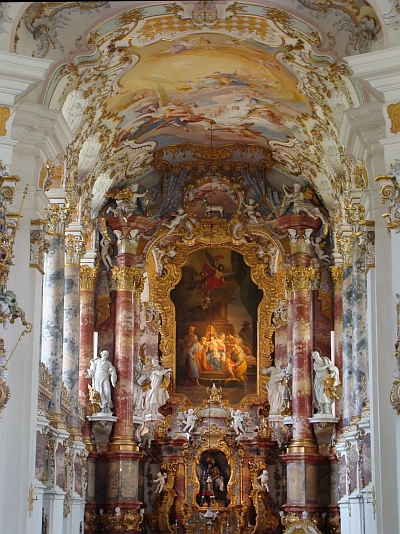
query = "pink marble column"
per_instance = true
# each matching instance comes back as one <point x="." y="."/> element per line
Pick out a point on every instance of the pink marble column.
<point x="299" y="279"/>
<point x="127" y="277"/>
<point x="87" y="286"/>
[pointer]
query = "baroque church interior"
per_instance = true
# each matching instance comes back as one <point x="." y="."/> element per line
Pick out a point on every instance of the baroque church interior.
<point x="199" y="251"/>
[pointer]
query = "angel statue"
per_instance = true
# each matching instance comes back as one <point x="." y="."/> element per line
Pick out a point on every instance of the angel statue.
<point x="301" y="204"/>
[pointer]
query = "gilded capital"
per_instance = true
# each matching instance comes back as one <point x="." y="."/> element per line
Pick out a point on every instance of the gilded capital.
<point x="89" y="277"/>
<point x="345" y="246"/>
<point x="337" y="277"/>
<point x="58" y="217"/>
<point x="127" y="278"/>
<point x="299" y="278"/>
<point x="74" y="249"/>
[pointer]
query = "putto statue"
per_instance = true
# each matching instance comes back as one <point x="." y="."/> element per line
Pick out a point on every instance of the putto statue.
<point x="160" y="481"/>
<point x="103" y="374"/>
<point x="190" y="420"/>
<point x="326" y="379"/>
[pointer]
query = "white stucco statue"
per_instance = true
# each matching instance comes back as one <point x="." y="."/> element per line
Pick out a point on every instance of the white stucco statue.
<point x="238" y="422"/>
<point x="274" y="388"/>
<point x="326" y="378"/>
<point x="190" y="420"/>
<point x="103" y="374"/>
<point x="263" y="478"/>
<point x="141" y="377"/>
<point x="160" y="481"/>
<point x="105" y="244"/>
<point x="157" y="395"/>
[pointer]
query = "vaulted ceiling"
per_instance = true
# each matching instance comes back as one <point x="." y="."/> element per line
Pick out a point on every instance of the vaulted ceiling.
<point x="150" y="86"/>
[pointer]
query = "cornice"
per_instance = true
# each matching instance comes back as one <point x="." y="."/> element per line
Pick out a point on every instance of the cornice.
<point x="17" y="73"/>
<point x="45" y="128"/>
<point x="380" y="69"/>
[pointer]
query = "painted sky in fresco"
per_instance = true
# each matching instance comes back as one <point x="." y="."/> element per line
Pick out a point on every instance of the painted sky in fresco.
<point x="178" y="89"/>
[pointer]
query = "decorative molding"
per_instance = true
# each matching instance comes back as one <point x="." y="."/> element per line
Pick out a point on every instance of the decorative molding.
<point x="4" y="116"/>
<point x="393" y="111"/>
<point x="38" y="246"/>
<point x="391" y="193"/>
<point x="74" y="249"/>
<point x="58" y="217"/>
<point x="337" y="277"/>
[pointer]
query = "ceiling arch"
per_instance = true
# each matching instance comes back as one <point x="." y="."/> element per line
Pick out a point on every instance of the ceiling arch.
<point x="142" y="85"/>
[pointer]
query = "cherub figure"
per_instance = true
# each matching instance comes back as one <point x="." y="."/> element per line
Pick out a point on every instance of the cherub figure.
<point x="179" y="216"/>
<point x="105" y="252"/>
<point x="250" y="210"/>
<point x="190" y="420"/>
<point x="160" y="481"/>
<point x="318" y="245"/>
<point x="263" y="478"/>
<point x="238" y="422"/>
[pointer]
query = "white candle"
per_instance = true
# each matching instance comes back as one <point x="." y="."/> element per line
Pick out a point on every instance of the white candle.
<point x="333" y="347"/>
<point x="95" y="344"/>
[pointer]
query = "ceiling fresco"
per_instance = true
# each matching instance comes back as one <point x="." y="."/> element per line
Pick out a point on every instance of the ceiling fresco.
<point x="186" y="87"/>
<point x="146" y="86"/>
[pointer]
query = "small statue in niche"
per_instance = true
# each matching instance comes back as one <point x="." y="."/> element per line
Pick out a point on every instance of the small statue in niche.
<point x="190" y="420"/>
<point x="102" y="372"/>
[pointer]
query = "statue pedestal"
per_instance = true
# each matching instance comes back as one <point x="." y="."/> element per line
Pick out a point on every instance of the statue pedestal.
<point x="324" y="428"/>
<point x="102" y="424"/>
<point x="153" y="417"/>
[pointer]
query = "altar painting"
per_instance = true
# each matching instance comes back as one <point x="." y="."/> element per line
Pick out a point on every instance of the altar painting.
<point x="216" y="320"/>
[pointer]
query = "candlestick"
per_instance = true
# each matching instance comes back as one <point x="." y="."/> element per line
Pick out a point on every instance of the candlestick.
<point x="95" y="344"/>
<point x="333" y="347"/>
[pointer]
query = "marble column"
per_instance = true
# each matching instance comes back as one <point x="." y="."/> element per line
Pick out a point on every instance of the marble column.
<point x="347" y="357"/>
<point x="300" y="279"/>
<point x="126" y="278"/>
<point x="359" y="337"/>
<point x="53" y="305"/>
<point x="88" y="278"/>
<point x="337" y="278"/>
<point x="123" y="452"/>
<point x="74" y="248"/>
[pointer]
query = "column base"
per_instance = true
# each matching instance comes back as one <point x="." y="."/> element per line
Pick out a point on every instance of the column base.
<point x="302" y="446"/>
<point x="123" y="443"/>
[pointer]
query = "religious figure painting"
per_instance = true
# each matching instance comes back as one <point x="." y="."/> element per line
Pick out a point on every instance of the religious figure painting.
<point x="216" y="316"/>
